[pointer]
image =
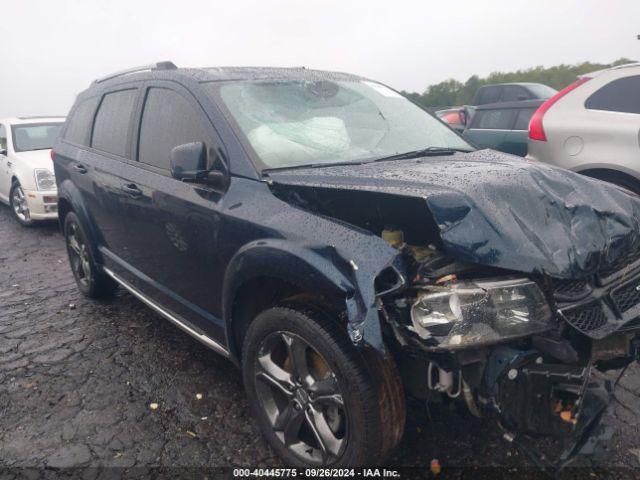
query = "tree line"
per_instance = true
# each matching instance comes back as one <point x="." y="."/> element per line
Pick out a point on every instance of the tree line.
<point x="453" y="92"/>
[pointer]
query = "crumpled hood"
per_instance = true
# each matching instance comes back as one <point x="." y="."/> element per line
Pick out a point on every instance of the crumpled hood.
<point x="499" y="210"/>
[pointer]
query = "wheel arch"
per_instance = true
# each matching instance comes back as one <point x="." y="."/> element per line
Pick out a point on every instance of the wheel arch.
<point x="611" y="173"/>
<point x="266" y="273"/>
<point x="70" y="200"/>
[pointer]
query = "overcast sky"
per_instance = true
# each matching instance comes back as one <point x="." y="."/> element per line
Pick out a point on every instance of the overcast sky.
<point x="51" y="50"/>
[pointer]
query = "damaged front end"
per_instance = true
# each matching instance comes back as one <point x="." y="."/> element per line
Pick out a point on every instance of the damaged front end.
<point x="523" y="349"/>
<point x="518" y="283"/>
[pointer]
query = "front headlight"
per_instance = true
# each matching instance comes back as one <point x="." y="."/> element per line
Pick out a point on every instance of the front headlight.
<point x="45" y="180"/>
<point x="481" y="312"/>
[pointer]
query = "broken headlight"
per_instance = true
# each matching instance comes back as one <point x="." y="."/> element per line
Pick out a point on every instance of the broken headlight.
<point x="481" y="312"/>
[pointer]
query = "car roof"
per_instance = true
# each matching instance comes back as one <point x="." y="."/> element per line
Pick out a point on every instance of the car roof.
<point x="167" y="70"/>
<point x="31" y="119"/>
<point x="617" y="67"/>
<point x="516" y="104"/>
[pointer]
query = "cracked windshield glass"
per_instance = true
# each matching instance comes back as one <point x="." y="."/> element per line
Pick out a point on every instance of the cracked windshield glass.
<point x="296" y="123"/>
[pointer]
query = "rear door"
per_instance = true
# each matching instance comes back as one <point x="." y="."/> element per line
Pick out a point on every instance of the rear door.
<point x="515" y="141"/>
<point x="171" y="227"/>
<point x="101" y="170"/>
<point x="611" y="126"/>
<point x="489" y="127"/>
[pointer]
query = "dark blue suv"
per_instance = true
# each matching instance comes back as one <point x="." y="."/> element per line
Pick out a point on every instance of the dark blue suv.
<point x="348" y="251"/>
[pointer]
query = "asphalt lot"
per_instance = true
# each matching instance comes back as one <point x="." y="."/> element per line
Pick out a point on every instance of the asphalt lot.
<point x="77" y="378"/>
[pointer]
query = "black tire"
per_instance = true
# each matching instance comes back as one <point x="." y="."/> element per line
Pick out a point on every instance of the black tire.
<point x="630" y="185"/>
<point x="621" y="180"/>
<point x="356" y="404"/>
<point x="19" y="208"/>
<point x="91" y="281"/>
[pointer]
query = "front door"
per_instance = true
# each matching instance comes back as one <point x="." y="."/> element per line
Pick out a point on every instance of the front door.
<point x="172" y="226"/>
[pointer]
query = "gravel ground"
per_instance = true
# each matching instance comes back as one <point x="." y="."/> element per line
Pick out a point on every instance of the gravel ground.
<point x="78" y="377"/>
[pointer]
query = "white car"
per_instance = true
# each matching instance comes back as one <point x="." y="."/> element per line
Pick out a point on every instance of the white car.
<point x="593" y="127"/>
<point x="27" y="183"/>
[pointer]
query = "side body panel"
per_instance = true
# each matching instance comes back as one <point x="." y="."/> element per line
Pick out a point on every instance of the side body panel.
<point x="190" y="249"/>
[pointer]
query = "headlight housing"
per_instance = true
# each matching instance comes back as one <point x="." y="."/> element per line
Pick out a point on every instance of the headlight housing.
<point x="45" y="180"/>
<point x="481" y="312"/>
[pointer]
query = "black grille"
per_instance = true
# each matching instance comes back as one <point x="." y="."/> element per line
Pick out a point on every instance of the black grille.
<point x="618" y="264"/>
<point x="587" y="318"/>
<point x="570" y="288"/>
<point x="627" y="296"/>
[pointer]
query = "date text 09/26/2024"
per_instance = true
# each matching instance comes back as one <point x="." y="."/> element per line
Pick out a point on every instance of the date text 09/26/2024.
<point x="315" y="473"/>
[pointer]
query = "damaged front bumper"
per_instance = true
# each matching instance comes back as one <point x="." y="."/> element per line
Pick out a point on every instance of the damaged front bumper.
<point x="514" y="355"/>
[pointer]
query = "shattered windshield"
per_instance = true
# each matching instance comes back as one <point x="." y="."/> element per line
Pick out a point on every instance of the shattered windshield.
<point x="299" y="122"/>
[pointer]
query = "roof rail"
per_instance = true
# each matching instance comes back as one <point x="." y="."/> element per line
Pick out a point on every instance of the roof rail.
<point x="143" y="68"/>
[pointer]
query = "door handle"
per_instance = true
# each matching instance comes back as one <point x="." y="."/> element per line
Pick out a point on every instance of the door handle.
<point x="80" y="168"/>
<point x="132" y="190"/>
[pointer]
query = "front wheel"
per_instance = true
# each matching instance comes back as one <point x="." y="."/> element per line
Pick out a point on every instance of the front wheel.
<point x="317" y="400"/>
<point x="19" y="205"/>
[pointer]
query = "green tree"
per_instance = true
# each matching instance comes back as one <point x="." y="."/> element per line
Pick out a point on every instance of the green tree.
<point x="453" y="92"/>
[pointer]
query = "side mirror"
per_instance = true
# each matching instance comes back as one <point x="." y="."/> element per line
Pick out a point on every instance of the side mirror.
<point x="189" y="162"/>
<point x="3" y="150"/>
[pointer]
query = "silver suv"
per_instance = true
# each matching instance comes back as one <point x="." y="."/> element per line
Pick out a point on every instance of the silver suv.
<point x="593" y="127"/>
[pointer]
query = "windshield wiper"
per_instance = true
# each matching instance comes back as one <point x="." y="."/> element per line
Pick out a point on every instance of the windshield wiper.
<point x="424" y="152"/>
<point x="313" y="165"/>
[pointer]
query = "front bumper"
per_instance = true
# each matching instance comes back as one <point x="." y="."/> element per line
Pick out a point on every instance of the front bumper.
<point x="43" y="205"/>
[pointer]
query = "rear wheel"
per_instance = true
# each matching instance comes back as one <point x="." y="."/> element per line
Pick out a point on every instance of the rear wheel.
<point x="316" y="400"/>
<point x="19" y="205"/>
<point x="92" y="282"/>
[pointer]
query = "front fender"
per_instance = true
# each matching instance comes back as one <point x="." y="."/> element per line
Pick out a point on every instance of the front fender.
<point x="319" y="269"/>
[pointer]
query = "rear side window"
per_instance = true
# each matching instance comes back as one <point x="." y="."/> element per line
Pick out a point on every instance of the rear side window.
<point x="168" y="120"/>
<point x="522" y="119"/>
<point x="492" y="119"/>
<point x="513" y="93"/>
<point x="3" y="138"/>
<point x="621" y="95"/>
<point x="489" y="95"/>
<point x="79" y="125"/>
<point x="112" y="122"/>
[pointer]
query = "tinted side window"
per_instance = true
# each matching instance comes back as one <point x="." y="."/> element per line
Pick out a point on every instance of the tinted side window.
<point x="3" y="137"/>
<point x="112" y="122"/>
<point x="621" y="95"/>
<point x="79" y="125"/>
<point x="492" y="119"/>
<point x="168" y="120"/>
<point x="513" y="93"/>
<point x="522" y="119"/>
<point x="489" y="95"/>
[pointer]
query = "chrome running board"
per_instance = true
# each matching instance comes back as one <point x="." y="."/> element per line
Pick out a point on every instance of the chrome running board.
<point x="173" y="318"/>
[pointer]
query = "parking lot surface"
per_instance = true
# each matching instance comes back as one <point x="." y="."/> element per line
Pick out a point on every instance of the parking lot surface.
<point x="79" y="380"/>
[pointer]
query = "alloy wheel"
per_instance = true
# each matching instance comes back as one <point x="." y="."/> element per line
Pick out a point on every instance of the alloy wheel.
<point x="301" y="397"/>
<point x="78" y="256"/>
<point x="19" y="203"/>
